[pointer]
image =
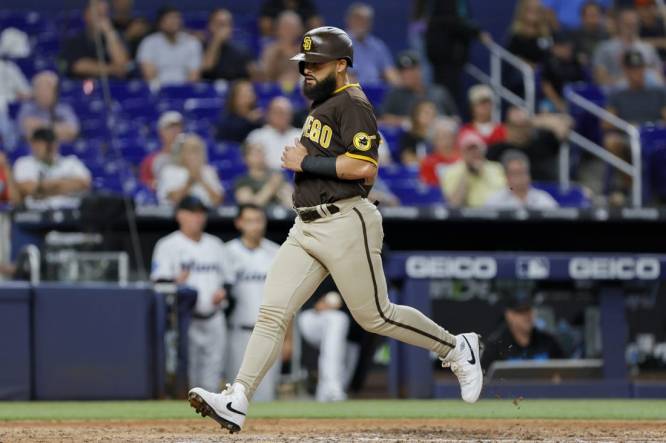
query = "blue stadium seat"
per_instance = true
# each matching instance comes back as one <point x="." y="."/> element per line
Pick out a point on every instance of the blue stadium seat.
<point x="32" y="23"/>
<point x="139" y="109"/>
<point x="133" y="89"/>
<point x="143" y="196"/>
<point x="196" y="20"/>
<point x="207" y="109"/>
<point x="398" y="172"/>
<point x="183" y="92"/>
<point x="412" y="192"/>
<point x="375" y="94"/>
<point x="573" y="198"/>
<point x="87" y="150"/>
<point x="229" y="170"/>
<point x="653" y="144"/>
<point x="20" y="150"/>
<point x="230" y="151"/>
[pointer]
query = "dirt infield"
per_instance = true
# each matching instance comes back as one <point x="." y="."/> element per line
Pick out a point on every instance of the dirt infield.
<point x="303" y="430"/>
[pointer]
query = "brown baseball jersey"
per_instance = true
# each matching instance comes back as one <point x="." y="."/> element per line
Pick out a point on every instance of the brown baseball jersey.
<point x="343" y="124"/>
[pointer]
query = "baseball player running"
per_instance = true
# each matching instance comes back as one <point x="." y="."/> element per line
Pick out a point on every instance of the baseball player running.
<point x="191" y="257"/>
<point x="337" y="231"/>
<point x="251" y="256"/>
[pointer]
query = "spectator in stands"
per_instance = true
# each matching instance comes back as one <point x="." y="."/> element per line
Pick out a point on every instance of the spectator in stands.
<point x="400" y="100"/>
<point x="13" y="87"/>
<point x="275" y="61"/>
<point x="132" y="28"/>
<point x="170" y="55"/>
<point x="169" y="126"/>
<point x="277" y="133"/>
<point x="518" y="338"/>
<point x="271" y="9"/>
<point x="592" y="31"/>
<point x="608" y="56"/>
<point x="45" y="110"/>
<point x="538" y="137"/>
<point x="241" y="115"/>
<point x="519" y="192"/>
<point x="530" y="37"/>
<point x="570" y="13"/>
<point x="638" y="104"/>
<point x="413" y="143"/>
<point x="373" y="63"/>
<point x="223" y="59"/>
<point x="653" y="30"/>
<point x="261" y="185"/>
<point x="560" y="68"/>
<point x="189" y="174"/>
<point x="444" y="150"/>
<point x="450" y="32"/>
<point x="470" y="181"/>
<point x="481" y="100"/>
<point x="79" y="54"/>
<point x="45" y="179"/>
<point x="8" y="190"/>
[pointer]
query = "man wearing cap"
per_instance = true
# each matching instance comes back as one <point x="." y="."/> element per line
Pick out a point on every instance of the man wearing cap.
<point x="47" y="180"/>
<point x="169" y="126"/>
<point x="338" y="232"/>
<point x="473" y="179"/>
<point x="518" y="338"/>
<point x="607" y="58"/>
<point x="481" y="99"/>
<point x="639" y="104"/>
<point x="193" y="258"/>
<point x="401" y="99"/>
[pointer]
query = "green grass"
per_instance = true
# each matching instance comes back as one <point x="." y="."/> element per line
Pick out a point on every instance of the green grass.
<point x="526" y="409"/>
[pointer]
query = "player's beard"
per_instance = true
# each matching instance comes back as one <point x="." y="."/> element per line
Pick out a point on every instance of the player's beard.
<point x="321" y="89"/>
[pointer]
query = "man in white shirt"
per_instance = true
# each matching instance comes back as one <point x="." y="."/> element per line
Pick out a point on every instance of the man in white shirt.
<point x="196" y="259"/>
<point x="276" y="133"/>
<point x="13" y="87"/>
<point x="47" y="180"/>
<point x="519" y="192"/>
<point x="170" y="56"/>
<point x="252" y="256"/>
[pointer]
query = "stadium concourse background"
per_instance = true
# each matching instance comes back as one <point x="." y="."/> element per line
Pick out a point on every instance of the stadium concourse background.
<point x="117" y="356"/>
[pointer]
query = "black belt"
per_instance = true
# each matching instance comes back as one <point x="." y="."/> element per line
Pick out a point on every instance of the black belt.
<point x="244" y="327"/>
<point x="311" y="214"/>
<point x="202" y="316"/>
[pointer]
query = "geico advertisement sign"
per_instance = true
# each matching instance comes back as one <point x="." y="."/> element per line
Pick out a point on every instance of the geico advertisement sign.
<point x="451" y="267"/>
<point x="619" y="268"/>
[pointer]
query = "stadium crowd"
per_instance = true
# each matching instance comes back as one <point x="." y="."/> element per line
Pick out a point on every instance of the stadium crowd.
<point x="205" y="107"/>
<point x="196" y="113"/>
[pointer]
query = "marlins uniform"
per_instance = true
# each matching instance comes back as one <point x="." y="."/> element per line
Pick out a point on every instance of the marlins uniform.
<point x="209" y="270"/>
<point x="250" y="267"/>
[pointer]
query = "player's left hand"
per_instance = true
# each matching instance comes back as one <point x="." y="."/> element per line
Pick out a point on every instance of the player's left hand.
<point x="219" y="296"/>
<point x="293" y="156"/>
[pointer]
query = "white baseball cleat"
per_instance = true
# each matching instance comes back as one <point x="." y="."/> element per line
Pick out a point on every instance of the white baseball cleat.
<point x="465" y="362"/>
<point x="227" y="408"/>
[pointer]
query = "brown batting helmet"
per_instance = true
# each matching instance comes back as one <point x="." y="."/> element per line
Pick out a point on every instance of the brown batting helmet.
<point x="325" y="44"/>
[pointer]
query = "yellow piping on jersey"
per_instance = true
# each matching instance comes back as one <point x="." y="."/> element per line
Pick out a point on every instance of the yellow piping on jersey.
<point x="348" y="85"/>
<point x="362" y="157"/>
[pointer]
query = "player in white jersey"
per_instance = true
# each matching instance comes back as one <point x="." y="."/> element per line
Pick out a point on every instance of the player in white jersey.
<point x="193" y="258"/>
<point x="251" y="256"/>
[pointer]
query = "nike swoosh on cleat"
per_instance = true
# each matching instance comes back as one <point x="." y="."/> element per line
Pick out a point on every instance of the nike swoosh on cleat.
<point x="471" y="362"/>
<point x="239" y="412"/>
